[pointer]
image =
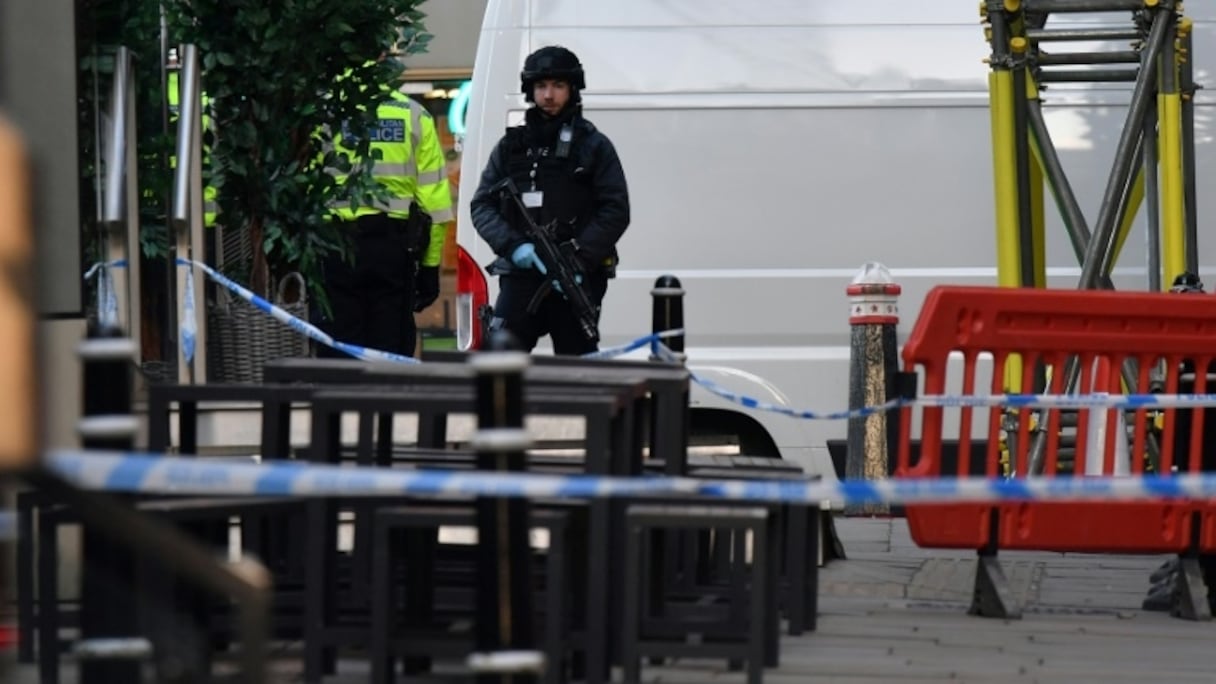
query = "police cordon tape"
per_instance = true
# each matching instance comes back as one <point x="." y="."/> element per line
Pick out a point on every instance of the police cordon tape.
<point x="1035" y="401"/>
<point x="107" y="299"/>
<point x="314" y="333"/>
<point x="655" y="341"/>
<point x="105" y="290"/>
<point x="303" y="327"/>
<point x="173" y="475"/>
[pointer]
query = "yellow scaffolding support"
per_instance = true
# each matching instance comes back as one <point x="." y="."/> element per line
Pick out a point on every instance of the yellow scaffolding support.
<point x="1024" y="160"/>
<point x="1153" y="163"/>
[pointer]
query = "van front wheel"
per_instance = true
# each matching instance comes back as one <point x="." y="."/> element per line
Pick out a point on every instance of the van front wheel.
<point x="718" y="427"/>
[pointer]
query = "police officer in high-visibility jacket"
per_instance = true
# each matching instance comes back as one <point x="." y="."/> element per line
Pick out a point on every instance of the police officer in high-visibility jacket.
<point x="398" y="245"/>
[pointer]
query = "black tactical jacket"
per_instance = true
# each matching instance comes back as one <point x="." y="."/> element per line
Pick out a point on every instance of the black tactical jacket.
<point x="581" y="185"/>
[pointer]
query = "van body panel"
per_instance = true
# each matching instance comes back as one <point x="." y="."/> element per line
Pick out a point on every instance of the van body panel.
<point x="772" y="147"/>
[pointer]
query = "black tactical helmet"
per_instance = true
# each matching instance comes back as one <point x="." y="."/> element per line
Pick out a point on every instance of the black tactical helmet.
<point x="555" y="62"/>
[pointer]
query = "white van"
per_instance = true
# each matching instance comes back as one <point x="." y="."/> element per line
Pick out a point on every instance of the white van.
<point x="772" y="147"/>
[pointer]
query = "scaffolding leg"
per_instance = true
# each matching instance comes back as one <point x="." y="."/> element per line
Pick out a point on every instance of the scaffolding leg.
<point x="992" y="596"/>
<point x="1190" y="593"/>
<point x="1152" y="199"/>
<point x="1187" y="86"/>
<point x="1173" y="191"/>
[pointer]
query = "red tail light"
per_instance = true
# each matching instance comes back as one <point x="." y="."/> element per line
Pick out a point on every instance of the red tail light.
<point x="472" y="293"/>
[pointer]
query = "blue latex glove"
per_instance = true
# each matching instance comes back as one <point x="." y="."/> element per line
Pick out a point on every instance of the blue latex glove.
<point x="524" y="256"/>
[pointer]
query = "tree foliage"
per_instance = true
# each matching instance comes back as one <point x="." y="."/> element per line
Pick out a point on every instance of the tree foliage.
<point x="282" y="76"/>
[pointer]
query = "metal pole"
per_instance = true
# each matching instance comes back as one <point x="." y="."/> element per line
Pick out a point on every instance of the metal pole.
<point x="188" y="103"/>
<point x="1153" y="210"/>
<point x="505" y="639"/>
<point x="1070" y="209"/>
<point x="873" y="365"/>
<point x="1188" y="87"/>
<point x="1088" y="75"/>
<point x="120" y="208"/>
<point x="116" y="145"/>
<point x="1021" y="150"/>
<point x="1173" y="192"/>
<point x="1046" y="35"/>
<point x="187" y="218"/>
<point x="1052" y="6"/>
<point x="1005" y="183"/>
<point x="1085" y="58"/>
<point x="1132" y="192"/>
<point x="1125" y="153"/>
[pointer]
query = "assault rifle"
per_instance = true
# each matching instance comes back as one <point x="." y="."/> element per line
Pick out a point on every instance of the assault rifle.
<point x="563" y="269"/>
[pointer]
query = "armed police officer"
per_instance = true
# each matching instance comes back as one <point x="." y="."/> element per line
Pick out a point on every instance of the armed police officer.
<point x="398" y="244"/>
<point x="570" y="181"/>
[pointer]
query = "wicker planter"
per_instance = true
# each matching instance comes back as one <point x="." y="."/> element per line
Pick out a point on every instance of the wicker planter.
<point x="242" y="338"/>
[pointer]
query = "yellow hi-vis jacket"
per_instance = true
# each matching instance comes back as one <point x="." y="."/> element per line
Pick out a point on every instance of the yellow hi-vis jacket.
<point x="210" y="194"/>
<point x="411" y="168"/>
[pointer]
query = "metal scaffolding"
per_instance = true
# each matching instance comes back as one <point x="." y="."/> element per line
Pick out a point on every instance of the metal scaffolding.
<point x="1154" y="161"/>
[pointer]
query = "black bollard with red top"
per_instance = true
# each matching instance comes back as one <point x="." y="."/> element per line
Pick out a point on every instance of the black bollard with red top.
<point x="873" y="378"/>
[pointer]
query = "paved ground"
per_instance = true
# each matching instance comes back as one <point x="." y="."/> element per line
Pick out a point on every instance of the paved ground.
<point x="896" y="613"/>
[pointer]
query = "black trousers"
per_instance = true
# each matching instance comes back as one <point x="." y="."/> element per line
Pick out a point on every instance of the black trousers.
<point x="372" y="300"/>
<point x="554" y="316"/>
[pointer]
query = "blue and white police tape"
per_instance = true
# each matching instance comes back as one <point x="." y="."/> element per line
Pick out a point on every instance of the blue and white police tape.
<point x="1126" y="402"/>
<point x="107" y="298"/>
<point x="1102" y="400"/>
<point x="154" y="474"/>
<point x="644" y="341"/>
<point x="303" y="327"/>
<point x="189" y="322"/>
<point x="1035" y="401"/>
<point x="318" y="335"/>
<point x="664" y="352"/>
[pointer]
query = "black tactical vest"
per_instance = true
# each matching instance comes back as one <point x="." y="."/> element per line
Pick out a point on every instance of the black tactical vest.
<point x="557" y="169"/>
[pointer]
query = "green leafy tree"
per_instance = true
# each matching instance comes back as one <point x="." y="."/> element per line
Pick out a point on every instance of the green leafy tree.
<point x="282" y="77"/>
<point x="279" y="75"/>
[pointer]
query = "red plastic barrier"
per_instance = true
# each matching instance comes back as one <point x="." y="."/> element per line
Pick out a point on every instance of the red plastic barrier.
<point x="962" y="332"/>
